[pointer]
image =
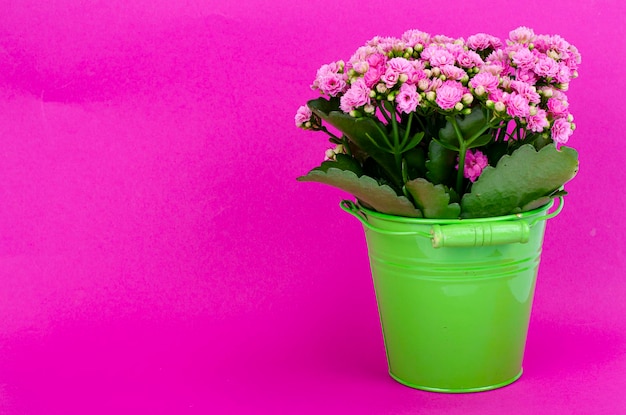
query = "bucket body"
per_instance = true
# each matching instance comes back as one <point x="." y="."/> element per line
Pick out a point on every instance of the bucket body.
<point x="454" y="306"/>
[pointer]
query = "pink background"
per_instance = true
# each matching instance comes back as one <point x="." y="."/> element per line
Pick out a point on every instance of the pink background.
<point x="157" y="255"/>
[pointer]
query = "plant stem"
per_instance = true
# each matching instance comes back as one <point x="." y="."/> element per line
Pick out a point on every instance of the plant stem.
<point x="339" y="140"/>
<point x="460" y="173"/>
<point x="396" y="140"/>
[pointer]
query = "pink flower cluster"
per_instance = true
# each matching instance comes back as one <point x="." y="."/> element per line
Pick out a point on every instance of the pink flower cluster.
<point x="522" y="79"/>
<point x="475" y="163"/>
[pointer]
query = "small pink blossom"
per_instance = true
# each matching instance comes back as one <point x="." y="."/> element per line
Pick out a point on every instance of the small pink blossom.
<point x="517" y="105"/>
<point x="330" y="79"/>
<point x="407" y="99"/>
<point x="453" y="72"/>
<point x="526" y="76"/>
<point x="488" y="81"/>
<point x="475" y="163"/>
<point x="538" y="122"/>
<point x="449" y="94"/>
<point x="522" y="35"/>
<point x="390" y="78"/>
<point x="527" y="91"/>
<point x="481" y="41"/>
<point x="438" y="56"/>
<point x="303" y="116"/>
<point x="357" y="96"/>
<point x="561" y="130"/>
<point x="469" y="59"/>
<point x="546" y="67"/>
<point x="372" y="76"/>
<point x="524" y="59"/>
<point x="557" y="107"/>
<point x="415" y="37"/>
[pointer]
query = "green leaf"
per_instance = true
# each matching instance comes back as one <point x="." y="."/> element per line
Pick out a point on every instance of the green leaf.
<point x="415" y="161"/>
<point x="520" y="181"/>
<point x="434" y="201"/>
<point x="342" y="162"/>
<point x="365" y="133"/>
<point x="380" y="197"/>
<point x="470" y="127"/>
<point x="480" y="141"/>
<point x="440" y="164"/>
<point x="413" y="142"/>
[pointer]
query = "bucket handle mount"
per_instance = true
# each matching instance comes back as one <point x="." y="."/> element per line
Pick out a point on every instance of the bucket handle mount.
<point x="471" y="234"/>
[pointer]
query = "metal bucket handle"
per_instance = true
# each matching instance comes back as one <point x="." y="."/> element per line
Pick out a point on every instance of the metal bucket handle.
<point x="471" y="234"/>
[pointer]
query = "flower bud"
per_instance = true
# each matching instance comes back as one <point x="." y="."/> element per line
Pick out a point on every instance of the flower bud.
<point x="458" y="106"/>
<point x="436" y="71"/>
<point x="423" y="84"/>
<point x="381" y="88"/>
<point x="490" y="104"/>
<point x="403" y="78"/>
<point x="467" y="99"/>
<point x="480" y="91"/>
<point x="430" y="95"/>
<point x="499" y="106"/>
<point x="369" y="109"/>
<point x="329" y="154"/>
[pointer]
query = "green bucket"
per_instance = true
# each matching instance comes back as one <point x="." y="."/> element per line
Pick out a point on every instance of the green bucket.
<point x="454" y="295"/>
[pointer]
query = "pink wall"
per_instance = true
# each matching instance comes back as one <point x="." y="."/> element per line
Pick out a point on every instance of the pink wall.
<point x="158" y="256"/>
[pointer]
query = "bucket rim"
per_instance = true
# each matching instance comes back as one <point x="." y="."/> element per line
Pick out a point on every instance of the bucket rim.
<point x="433" y="221"/>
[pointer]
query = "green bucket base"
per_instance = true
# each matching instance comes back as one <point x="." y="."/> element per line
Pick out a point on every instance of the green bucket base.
<point x="463" y="390"/>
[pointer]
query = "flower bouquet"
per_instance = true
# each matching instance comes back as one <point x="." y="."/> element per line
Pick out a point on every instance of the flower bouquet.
<point x="436" y="127"/>
<point x="454" y="150"/>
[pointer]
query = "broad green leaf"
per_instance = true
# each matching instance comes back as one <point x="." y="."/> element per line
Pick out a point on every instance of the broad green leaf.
<point x="433" y="200"/>
<point x="520" y="181"/>
<point x="440" y="164"/>
<point x="380" y="197"/>
<point x="364" y="132"/>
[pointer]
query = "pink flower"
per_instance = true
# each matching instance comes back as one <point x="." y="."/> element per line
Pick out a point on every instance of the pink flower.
<point x="524" y="59"/>
<point x="481" y="41"/>
<point x="517" y="105"/>
<point x="439" y="56"/>
<point x="330" y="79"/>
<point x="372" y="76"/>
<point x="526" y="76"/>
<point x="415" y="37"/>
<point x="522" y="35"/>
<point x="407" y="99"/>
<point x="558" y="107"/>
<point x="564" y="75"/>
<point x="449" y="94"/>
<point x="546" y="67"/>
<point x="303" y="116"/>
<point x="527" y="91"/>
<point x="399" y="65"/>
<point x="469" y="59"/>
<point x="561" y="130"/>
<point x="390" y="78"/>
<point x="475" y="163"/>
<point x="538" y="122"/>
<point x="453" y="72"/>
<point x="486" y="80"/>
<point x="357" y="96"/>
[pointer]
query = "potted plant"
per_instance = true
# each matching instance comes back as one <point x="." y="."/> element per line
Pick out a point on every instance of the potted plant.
<point x="454" y="150"/>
